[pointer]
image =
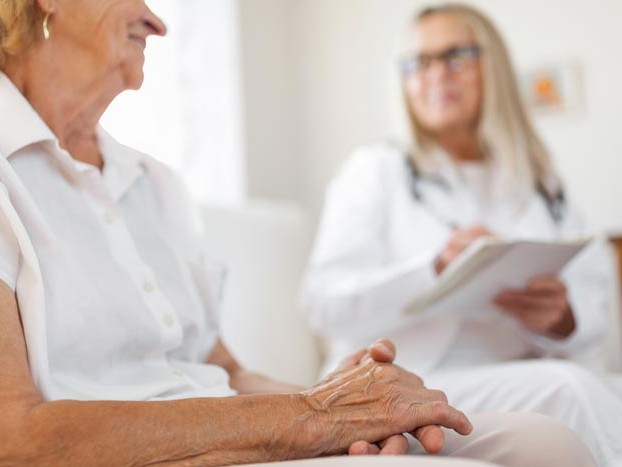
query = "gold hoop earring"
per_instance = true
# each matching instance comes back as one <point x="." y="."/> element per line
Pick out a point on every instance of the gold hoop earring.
<point x="46" y="26"/>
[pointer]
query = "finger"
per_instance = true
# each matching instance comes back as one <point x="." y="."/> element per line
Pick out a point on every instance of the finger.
<point x="436" y="395"/>
<point x="462" y="241"/>
<point x="442" y="261"/>
<point x="382" y="351"/>
<point x="395" y="445"/>
<point x="457" y="239"/>
<point x="458" y="242"/>
<point x="447" y="256"/>
<point x="440" y="413"/>
<point x="469" y="235"/>
<point x="431" y="438"/>
<point x="429" y="395"/>
<point x="352" y="360"/>
<point x="527" y="303"/>
<point x="481" y="231"/>
<point x="540" y="320"/>
<point x="528" y="292"/>
<point x="547" y="283"/>
<point x="363" y="448"/>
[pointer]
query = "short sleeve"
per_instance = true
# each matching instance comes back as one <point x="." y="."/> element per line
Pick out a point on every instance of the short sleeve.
<point x="9" y="247"/>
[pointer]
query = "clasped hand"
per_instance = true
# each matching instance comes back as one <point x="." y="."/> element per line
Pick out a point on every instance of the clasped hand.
<point x="369" y="404"/>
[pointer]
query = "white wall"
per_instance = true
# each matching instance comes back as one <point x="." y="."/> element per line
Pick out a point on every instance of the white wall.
<point x="188" y="111"/>
<point x="269" y="48"/>
<point x="341" y="56"/>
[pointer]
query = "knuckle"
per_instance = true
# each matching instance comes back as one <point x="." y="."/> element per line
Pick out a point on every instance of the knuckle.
<point x="377" y="368"/>
<point x="550" y="322"/>
<point x="440" y="410"/>
<point x="384" y="370"/>
<point x="439" y="395"/>
<point x="557" y="304"/>
<point x="416" y="380"/>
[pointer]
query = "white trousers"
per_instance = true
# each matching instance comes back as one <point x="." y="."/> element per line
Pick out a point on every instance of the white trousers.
<point x="508" y="440"/>
<point x="560" y="389"/>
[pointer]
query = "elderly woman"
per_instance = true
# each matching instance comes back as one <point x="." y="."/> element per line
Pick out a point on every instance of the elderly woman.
<point x="109" y="353"/>
<point x="395" y="218"/>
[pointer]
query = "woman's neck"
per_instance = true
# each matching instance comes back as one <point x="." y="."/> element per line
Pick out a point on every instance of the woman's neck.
<point x="462" y="146"/>
<point x="71" y="108"/>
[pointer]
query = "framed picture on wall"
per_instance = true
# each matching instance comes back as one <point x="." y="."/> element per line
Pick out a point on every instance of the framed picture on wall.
<point x="554" y="88"/>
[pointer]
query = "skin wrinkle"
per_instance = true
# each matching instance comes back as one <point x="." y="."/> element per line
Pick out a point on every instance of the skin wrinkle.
<point x="365" y="391"/>
<point x="368" y="377"/>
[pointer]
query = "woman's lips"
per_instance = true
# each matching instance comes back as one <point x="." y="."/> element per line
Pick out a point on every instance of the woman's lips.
<point x="441" y="98"/>
<point x="139" y="40"/>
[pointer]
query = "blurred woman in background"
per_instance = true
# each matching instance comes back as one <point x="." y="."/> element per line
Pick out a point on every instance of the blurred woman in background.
<point x="394" y="219"/>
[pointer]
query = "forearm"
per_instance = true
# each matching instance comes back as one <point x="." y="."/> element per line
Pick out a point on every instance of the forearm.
<point x="206" y="432"/>
<point x="346" y="302"/>
<point x="246" y="382"/>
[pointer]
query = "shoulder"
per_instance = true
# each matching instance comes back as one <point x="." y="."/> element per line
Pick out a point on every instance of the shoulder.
<point x="368" y="175"/>
<point x="374" y="161"/>
<point x="378" y="155"/>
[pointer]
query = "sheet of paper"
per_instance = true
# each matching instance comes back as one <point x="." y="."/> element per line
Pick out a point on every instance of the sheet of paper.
<point x="488" y="266"/>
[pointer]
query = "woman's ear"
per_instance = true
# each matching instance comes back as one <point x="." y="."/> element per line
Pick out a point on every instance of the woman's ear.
<point x="46" y="6"/>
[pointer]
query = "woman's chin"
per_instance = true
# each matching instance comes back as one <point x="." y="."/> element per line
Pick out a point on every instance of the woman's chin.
<point x="134" y="79"/>
<point x="132" y="71"/>
<point x="444" y="121"/>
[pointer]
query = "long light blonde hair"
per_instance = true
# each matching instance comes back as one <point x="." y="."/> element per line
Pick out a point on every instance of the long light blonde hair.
<point x="505" y="132"/>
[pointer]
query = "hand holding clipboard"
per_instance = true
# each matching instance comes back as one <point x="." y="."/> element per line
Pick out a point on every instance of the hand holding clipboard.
<point x="488" y="266"/>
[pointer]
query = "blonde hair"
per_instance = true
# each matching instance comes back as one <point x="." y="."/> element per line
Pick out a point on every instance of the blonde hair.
<point x="505" y="133"/>
<point x="20" y="22"/>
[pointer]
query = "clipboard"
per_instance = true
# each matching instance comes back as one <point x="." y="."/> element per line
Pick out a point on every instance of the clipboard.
<point x="490" y="265"/>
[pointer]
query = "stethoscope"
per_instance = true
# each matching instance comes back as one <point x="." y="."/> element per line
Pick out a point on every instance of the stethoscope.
<point x="555" y="204"/>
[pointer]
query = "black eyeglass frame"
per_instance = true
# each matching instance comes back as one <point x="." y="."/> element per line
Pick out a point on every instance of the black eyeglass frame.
<point x="453" y="58"/>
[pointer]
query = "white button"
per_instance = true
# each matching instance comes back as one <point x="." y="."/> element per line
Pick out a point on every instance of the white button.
<point x="110" y="217"/>
<point x="168" y="320"/>
<point x="148" y="287"/>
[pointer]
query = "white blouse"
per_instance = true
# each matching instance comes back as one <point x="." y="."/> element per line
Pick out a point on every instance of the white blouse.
<point x="115" y="297"/>
<point x="375" y="250"/>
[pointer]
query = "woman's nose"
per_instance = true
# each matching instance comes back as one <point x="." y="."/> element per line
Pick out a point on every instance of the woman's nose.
<point x="154" y="23"/>
<point x="437" y="70"/>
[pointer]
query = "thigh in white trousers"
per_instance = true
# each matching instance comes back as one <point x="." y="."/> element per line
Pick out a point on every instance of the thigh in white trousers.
<point x="562" y="390"/>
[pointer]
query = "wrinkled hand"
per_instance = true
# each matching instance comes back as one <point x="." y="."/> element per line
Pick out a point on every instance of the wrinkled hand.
<point x="457" y="243"/>
<point x="431" y="437"/>
<point x="370" y="404"/>
<point x="542" y="307"/>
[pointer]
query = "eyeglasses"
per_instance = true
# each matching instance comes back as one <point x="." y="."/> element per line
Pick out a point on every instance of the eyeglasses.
<point x="455" y="59"/>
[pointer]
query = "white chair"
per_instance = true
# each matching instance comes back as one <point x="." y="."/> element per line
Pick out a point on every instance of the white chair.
<point x="264" y="246"/>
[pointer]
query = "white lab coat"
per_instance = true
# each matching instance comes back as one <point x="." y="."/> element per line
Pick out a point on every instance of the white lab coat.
<point x="374" y="255"/>
<point x="375" y="250"/>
